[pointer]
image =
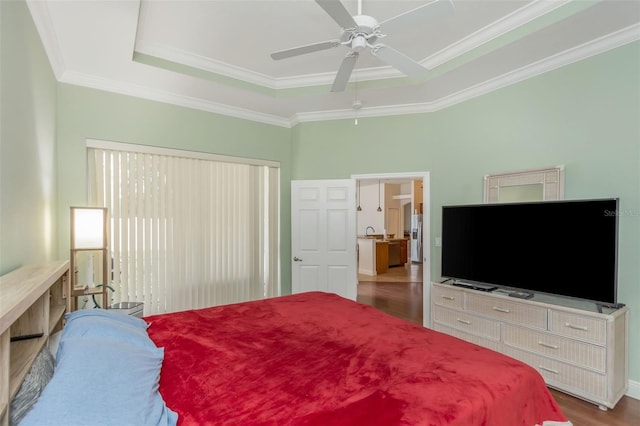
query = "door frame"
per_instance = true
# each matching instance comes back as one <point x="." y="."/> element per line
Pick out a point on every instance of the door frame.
<point x="426" y="231"/>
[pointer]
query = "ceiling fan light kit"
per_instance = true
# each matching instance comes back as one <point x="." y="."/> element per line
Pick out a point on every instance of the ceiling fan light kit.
<point x="360" y="32"/>
<point x="358" y="43"/>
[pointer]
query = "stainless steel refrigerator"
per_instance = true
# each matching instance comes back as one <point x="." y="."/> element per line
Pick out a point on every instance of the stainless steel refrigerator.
<point x="416" y="238"/>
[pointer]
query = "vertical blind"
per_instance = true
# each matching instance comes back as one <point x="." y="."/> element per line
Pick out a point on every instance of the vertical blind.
<point x="187" y="232"/>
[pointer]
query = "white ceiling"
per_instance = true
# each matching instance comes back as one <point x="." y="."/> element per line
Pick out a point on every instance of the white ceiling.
<point x="215" y="55"/>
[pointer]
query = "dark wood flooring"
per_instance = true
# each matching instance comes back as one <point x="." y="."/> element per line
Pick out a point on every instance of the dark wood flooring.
<point x="399" y="293"/>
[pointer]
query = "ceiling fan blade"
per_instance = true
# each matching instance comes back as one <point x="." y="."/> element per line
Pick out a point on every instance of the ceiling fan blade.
<point x="337" y="11"/>
<point x="429" y="12"/>
<point x="344" y="73"/>
<point x="399" y="61"/>
<point x="301" y="50"/>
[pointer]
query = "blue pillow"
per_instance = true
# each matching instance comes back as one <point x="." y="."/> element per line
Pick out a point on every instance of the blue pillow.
<point x="103" y="382"/>
<point x="105" y="313"/>
<point x="105" y="327"/>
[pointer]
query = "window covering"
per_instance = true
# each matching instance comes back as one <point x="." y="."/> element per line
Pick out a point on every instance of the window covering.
<point x="187" y="232"/>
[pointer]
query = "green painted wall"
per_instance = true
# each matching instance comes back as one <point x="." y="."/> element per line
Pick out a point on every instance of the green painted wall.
<point x="27" y="143"/>
<point x="584" y="116"/>
<point x="92" y="114"/>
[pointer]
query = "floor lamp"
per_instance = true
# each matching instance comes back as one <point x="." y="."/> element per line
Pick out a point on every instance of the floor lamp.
<point x="89" y="233"/>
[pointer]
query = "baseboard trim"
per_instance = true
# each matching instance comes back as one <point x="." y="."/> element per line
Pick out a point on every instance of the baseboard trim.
<point x="634" y="389"/>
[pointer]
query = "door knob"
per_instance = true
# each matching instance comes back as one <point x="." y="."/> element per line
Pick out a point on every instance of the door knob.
<point x="297" y="259"/>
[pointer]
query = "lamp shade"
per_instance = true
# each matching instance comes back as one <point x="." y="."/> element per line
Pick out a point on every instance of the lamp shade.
<point x="88" y="228"/>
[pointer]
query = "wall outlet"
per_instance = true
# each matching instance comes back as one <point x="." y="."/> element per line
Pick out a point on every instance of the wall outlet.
<point x="438" y="241"/>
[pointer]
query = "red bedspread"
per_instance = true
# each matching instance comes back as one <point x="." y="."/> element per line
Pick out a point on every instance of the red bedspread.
<point x="319" y="359"/>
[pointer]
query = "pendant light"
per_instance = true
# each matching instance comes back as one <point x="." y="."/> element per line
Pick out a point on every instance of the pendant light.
<point x="379" y="208"/>
<point x="359" y="208"/>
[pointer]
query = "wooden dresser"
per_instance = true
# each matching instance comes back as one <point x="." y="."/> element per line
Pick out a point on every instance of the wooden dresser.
<point x="575" y="348"/>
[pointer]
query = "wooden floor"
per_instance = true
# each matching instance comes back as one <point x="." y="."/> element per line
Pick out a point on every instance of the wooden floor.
<point x="399" y="293"/>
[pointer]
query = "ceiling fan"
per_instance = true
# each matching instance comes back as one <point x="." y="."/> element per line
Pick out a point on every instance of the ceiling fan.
<point x="361" y="32"/>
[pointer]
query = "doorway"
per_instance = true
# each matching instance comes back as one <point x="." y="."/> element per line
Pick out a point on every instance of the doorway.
<point x="397" y="289"/>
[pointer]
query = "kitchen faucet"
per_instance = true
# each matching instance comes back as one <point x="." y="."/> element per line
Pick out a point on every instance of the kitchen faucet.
<point x="366" y="231"/>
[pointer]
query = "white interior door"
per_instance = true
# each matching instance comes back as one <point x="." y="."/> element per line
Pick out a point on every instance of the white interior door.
<point x="323" y="237"/>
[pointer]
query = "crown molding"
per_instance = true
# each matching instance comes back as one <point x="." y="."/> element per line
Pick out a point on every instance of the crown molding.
<point x="44" y="25"/>
<point x="143" y="92"/>
<point x="484" y="35"/>
<point x="496" y="29"/>
<point x="596" y="47"/>
<point x="203" y="63"/>
<point x="215" y="67"/>
<point x="40" y="13"/>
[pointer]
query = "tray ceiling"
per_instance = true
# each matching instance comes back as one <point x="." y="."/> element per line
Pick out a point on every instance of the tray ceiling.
<point x="215" y="55"/>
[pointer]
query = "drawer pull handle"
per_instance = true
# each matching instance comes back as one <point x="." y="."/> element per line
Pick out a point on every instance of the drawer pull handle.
<point x="550" y="370"/>
<point x="576" y="327"/>
<point x="463" y="321"/>
<point x="547" y="345"/>
<point x="499" y="309"/>
<point x="448" y="297"/>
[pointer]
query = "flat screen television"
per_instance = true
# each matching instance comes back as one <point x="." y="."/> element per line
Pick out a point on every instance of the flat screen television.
<point x="567" y="248"/>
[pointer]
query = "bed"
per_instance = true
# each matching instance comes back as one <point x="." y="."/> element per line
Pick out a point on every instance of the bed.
<point x="306" y="359"/>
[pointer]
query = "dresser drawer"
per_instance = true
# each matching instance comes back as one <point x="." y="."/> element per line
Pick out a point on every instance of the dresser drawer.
<point x="582" y="382"/>
<point x="481" y="341"/>
<point x="578" y="326"/>
<point x="444" y="296"/>
<point x="507" y="310"/>
<point x="574" y="352"/>
<point x="483" y="327"/>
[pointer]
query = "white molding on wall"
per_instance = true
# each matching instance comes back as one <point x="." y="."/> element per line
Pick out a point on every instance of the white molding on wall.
<point x="484" y="35"/>
<point x="496" y="29"/>
<point x="214" y="67"/>
<point x="129" y="89"/>
<point x="634" y="389"/>
<point x="203" y="63"/>
<point x="604" y="44"/>
<point x="47" y="33"/>
<point x="44" y="25"/>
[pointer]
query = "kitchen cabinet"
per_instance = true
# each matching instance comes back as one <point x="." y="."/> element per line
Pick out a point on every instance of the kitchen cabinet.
<point x="366" y="256"/>
<point x="382" y="256"/>
<point x="394" y="253"/>
<point x="397" y="252"/>
<point x="377" y="255"/>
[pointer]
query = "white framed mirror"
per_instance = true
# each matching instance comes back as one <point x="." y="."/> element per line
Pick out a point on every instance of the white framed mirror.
<point x="529" y="185"/>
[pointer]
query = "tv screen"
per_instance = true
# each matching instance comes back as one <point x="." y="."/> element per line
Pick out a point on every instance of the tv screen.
<point x="560" y="247"/>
